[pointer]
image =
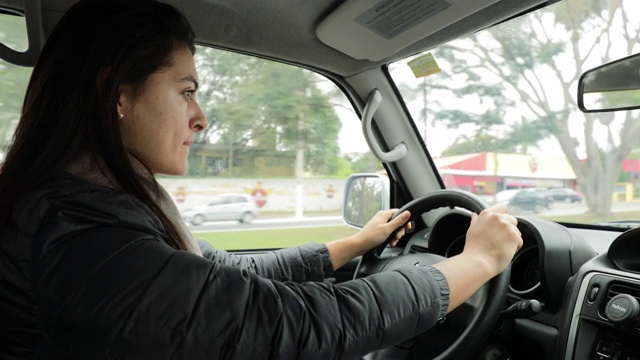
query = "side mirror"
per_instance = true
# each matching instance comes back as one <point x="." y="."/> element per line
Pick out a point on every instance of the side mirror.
<point x="612" y="86"/>
<point x="365" y="194"/>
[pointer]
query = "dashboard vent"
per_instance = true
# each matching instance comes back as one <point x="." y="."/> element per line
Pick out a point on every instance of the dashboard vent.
<point x="418" y="249"/>
<point x="618" y="289"/>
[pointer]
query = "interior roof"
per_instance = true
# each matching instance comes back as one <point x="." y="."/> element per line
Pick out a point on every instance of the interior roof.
<point x="241" y="25"/>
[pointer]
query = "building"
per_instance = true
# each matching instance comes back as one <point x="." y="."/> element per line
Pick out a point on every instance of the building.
<point x="489" y="172"/>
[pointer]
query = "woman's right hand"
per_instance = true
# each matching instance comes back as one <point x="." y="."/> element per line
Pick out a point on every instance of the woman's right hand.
<point x="492" y="240"/>
<point x="493" y="236"/>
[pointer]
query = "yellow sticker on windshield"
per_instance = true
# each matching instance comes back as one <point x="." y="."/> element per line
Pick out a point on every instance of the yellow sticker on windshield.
<point x="424" y="65"/>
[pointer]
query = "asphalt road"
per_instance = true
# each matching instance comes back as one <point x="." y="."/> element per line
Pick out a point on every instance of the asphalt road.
<point x="278" y="223"/>
<point x="558" y="208"/>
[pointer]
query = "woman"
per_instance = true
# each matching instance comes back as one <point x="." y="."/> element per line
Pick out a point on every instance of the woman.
<point x="96" y="263"/>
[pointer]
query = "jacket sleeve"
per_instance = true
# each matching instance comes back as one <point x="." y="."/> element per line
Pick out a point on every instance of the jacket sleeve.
<point x="107" y="290"/>
<point x="309" y="262"/>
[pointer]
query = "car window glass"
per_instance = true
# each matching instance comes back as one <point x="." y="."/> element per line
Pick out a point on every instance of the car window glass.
<point x="215" y="202"/>
<point x="286" y="137"/>
<point x="13" y="78"/>
<point x="520" y="126"/>
<point x="13" y="32"/>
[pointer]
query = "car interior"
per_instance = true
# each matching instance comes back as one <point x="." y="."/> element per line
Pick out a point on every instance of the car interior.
<point x="573" y="289"/>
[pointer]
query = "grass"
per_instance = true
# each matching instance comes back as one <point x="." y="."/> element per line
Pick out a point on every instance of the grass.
<point x="274" y="238"/>
<point x="279" y="238"/>
<point x="590" y="218"/>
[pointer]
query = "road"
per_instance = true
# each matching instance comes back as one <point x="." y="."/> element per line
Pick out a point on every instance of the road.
<point x="292" y="222"/>
<point x="277" y="223"/>
<point x="560" y="208"/>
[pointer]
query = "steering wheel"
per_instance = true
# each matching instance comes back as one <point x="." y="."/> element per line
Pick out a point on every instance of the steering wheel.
<point x="469" y="325"/>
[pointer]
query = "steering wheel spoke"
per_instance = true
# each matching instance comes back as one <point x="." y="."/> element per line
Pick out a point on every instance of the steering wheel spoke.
<point x="470" y="324"/>
<point x="465" y="313"/>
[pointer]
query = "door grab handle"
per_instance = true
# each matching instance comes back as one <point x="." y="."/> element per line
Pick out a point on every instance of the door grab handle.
<point x="399" y="151"/>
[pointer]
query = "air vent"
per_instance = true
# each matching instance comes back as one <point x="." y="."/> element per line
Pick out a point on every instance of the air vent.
<point x="618" y="289"/>
<point x="418" y="249"/>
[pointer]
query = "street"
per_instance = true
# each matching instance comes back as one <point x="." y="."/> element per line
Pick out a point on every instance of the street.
<point x="276" y="223"/>
<point x="558" y="209"/>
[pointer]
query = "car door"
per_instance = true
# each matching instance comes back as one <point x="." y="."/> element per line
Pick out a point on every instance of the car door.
<point x="231" y="208"/>
<point x="213" y="209"/>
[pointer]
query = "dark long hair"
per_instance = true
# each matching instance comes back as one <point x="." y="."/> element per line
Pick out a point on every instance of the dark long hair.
<point x="68" y="111"/>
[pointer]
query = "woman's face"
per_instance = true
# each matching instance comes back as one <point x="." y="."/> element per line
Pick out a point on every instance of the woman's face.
<point x="160" y="123"/>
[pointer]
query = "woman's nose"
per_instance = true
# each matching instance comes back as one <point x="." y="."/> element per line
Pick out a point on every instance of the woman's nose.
<point x="199" y="121"/>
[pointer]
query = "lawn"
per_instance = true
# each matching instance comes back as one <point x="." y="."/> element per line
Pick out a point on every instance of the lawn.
<point x="274" y="238"/>
<point x="279" y="238"/>
<point x="589" y="218"/>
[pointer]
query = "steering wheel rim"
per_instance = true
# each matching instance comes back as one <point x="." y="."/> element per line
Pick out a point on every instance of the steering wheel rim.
<point x="431" y="201"/>
<point x="490" y="297"/>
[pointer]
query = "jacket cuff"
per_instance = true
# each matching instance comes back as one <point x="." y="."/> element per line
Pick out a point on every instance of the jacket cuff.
<point x="327" y="266"/>
<point x="443" y="285"/>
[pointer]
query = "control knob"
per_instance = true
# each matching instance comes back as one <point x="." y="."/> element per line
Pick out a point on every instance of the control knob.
<point x="623" y="310"/>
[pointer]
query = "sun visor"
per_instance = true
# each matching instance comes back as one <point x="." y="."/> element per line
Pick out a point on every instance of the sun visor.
<point x="373" y="30"/>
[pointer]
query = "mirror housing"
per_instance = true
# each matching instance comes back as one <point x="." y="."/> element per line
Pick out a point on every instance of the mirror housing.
<point x="611" y="87"/>
<point x="365" y="194"/>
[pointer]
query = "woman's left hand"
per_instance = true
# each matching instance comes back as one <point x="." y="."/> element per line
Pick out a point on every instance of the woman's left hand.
<point x="379" y="228"/>
<point x="373" y="234"/>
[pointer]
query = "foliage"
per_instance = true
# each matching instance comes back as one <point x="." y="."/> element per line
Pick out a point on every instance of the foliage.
<point x="517" y="81"/>
<point x="364" y="163"/>
<point x="267" y="109"/>
<point x="479" y="143"/>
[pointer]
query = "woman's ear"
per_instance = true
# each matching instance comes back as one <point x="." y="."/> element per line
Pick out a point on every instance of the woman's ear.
<point x="124" y="99"/>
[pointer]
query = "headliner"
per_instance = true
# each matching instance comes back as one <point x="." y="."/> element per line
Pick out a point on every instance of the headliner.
<point x="285" y="29"/>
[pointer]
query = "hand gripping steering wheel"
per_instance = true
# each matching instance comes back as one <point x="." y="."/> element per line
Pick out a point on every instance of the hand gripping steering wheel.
<point x="470" y="324"/>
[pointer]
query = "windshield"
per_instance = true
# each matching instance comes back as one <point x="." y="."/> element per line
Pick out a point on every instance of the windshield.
<point x="497" y="110"/>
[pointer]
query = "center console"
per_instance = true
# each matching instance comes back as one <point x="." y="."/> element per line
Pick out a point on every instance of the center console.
<point x="606" y="319"/>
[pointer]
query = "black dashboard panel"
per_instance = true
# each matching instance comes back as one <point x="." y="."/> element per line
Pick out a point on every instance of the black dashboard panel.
<point x="624" y="252"/>
<point x="540" y="270"/>
<point x="595" y="330"/>
<point x="549" y="268"/>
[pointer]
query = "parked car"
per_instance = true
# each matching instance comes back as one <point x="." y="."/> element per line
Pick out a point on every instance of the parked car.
<point x="235" y="207"/>
<point x="504" y="196"/>
<point x="548" y="199"/>
<point x="283" y="85"/>
<point x="566" y="195"/>
<point x="530" y="200"/>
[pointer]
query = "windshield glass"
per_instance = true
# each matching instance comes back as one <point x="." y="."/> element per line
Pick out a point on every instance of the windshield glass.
<point x="497" y="110"/>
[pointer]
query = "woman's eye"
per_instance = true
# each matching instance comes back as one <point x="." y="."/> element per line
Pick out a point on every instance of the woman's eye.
<point x="189" y="94"/>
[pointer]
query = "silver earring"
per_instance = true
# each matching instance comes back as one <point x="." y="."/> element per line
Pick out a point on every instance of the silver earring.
<point x="120" y="116"/>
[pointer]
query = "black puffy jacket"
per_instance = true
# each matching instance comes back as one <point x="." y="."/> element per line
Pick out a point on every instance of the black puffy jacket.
<point x="86" y="273"/>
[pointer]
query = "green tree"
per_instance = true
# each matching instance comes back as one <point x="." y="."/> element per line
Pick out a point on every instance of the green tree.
<point x="487" y="67"/>
<point x="277" y="109"/>
<point x="364" y="162"/>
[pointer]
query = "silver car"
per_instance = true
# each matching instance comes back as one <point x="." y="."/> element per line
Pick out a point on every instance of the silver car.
<point x="237" y="207"/>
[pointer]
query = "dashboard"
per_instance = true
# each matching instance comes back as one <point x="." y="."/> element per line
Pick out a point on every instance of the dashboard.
<point x="590" y="297"/>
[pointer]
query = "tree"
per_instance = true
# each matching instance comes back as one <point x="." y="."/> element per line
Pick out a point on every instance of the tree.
<point x="278" y="109"/>
<point x="364" y="162"/>
<point x="540" y="101"/>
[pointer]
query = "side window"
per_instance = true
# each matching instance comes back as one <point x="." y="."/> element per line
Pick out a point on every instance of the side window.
<point x="287" y="137"/>
<point x="13" y="79"/>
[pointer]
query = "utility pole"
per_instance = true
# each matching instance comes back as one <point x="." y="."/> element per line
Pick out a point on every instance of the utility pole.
<point x="299" y="171"/>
